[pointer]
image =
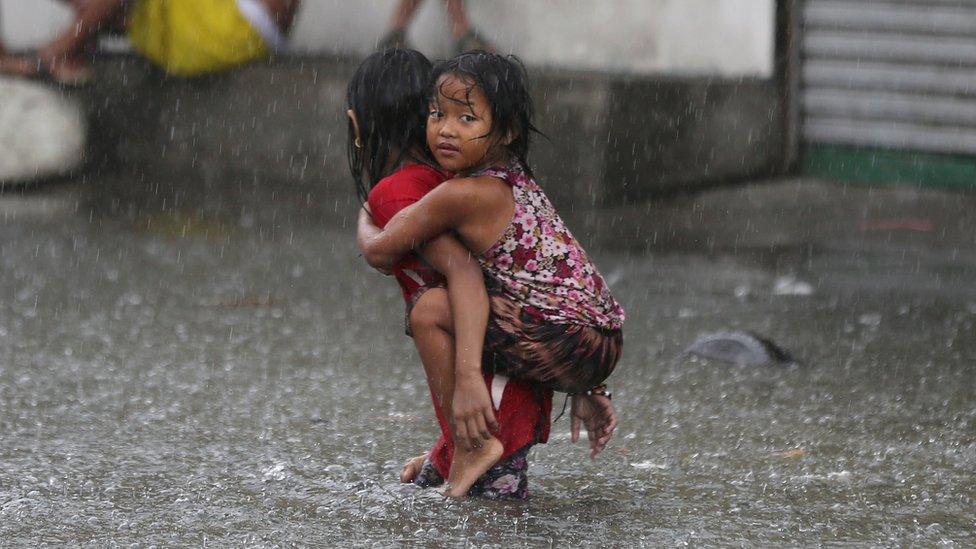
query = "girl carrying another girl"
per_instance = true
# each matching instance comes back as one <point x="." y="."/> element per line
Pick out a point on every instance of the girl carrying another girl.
<point x="553" y="319"/>
<point x="389" y="160"/>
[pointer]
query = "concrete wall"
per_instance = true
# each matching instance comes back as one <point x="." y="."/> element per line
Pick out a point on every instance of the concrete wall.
<point x="669" y="135"/>
<point x="714" y="37"/>
<point x="611" y="140"/>
<point x="674" y="96"/>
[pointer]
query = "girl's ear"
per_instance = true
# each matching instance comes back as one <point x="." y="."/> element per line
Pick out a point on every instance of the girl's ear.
<point x="355" y="127"/>
<point x="510" y="136"/>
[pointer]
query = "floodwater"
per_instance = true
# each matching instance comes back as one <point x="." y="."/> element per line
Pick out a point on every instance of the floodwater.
<point x="229" y="372"/>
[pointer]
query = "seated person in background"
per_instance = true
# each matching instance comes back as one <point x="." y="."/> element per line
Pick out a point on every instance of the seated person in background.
<point x="183" y="37"/>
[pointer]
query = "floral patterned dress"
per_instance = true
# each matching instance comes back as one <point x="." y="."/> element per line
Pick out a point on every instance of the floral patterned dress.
<point x="539" y="263"/>
<point x="553" y="319"/>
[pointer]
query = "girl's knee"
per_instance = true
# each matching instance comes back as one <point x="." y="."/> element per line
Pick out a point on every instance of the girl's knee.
<point x="432" y="311"/>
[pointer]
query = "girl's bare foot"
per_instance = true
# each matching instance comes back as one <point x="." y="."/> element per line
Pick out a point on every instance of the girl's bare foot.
<point x="412" y="468"/>
<point x="469" y="465"/>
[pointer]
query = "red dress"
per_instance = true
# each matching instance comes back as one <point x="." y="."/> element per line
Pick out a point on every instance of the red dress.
<point x="523" y="413"/>
<point x="392" y="194"/>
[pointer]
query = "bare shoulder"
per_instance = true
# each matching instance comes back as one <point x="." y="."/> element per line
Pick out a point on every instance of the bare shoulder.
<point x="479" y="189"/>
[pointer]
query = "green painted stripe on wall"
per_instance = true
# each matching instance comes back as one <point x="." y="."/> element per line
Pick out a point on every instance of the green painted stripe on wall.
<point x="889" y="166"/>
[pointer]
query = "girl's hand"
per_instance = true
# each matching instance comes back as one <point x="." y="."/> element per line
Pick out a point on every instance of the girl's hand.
<point x="596" y="412"/>
<point x="366" y="229"/>
<point x="474" y="418"/>
<point x="366" y="233"/>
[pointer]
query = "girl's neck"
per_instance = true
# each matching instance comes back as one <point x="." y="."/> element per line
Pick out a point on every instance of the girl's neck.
<point x="500" y="162"/>
<point x="397" y="160"/>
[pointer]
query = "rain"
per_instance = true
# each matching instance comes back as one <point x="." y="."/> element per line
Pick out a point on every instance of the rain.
<point x="193" y="350"/>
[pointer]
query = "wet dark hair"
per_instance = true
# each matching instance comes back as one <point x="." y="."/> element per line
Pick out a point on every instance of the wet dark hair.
<point x="389" y="93"/>
<point x="505" y="83"/>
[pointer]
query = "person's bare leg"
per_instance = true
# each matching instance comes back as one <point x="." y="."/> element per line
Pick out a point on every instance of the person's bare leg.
<point x="395" y="36"/>
<point x="283" y="12"/>
<point x="435" y="347"/>
<point x="15" y="64"/>
<point x="91" y="16"/>
<point x="465" y="36"/>
<point x="10" y="64"/>
<point x="64" y="58"/>
<point x="457" y="18"/>
<point x="403" y="14"/>
<point x="432" y="327"/>
<point x="430" y="324"/>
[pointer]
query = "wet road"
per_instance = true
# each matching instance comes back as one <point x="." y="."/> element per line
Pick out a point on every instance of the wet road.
<point x="193" y="368"/>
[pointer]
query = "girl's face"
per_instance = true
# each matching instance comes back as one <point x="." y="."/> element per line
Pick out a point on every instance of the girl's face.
<point x="459" y="126"/>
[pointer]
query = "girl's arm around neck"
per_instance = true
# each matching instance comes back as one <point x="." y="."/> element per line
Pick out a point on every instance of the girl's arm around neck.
<point x="446" y="208"/>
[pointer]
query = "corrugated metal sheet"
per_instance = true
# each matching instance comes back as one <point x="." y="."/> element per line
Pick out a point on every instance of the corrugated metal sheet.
<point x="890" y="73"/>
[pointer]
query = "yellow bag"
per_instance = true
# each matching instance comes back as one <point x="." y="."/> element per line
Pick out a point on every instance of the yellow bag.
<point x="193" y="37"/>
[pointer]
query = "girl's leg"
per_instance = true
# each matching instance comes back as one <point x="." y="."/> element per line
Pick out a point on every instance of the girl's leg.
<point x="436" y="348"/>
<point x="432" y="328"/>
<point x="430" y="325"/>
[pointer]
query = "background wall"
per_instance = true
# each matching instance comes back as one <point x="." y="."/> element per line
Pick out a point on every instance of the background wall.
<point x="713" y="37"/>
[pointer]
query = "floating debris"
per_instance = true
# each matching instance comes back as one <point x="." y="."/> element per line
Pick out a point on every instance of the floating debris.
<point x="870" y="320"/>
<point x="649" y="465"/>
<point x="790" y="285"/>
<point x="740" y="348"/>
